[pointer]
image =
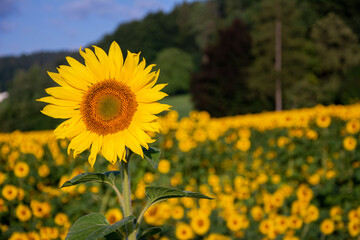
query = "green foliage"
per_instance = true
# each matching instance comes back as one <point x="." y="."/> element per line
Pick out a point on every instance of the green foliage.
<point x="346" y="10"/>
<point x="107" y="177"/>
<point x="95" y="226"/>
<point x="20" y="110"/>
<point x="9" y="66"/>
<point x="338" y="48"/>
<point x="157" y="194"/>
<point x="157" y="31"/>
<point x="203" y="20"/>
<point x="221" y="88"/>
<point x="296" y="60"/>
<point x="336" y="45"/>
<point x="148" y="233"/>
<point x="350" y="91"/>
<point x="152" y="155"/>
<point x="175" y="69"/>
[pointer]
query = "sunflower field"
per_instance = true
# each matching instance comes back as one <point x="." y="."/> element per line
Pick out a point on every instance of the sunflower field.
<point x="274" y="175"/>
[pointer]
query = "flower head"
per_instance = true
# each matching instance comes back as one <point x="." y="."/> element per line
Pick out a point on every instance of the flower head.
<point x="109" y="103"/>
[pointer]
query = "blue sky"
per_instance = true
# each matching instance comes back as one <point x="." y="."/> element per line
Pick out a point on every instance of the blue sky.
<point x="28" y="26"/>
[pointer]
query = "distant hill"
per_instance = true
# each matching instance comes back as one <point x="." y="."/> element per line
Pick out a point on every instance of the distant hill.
<point x="9" y="65"/>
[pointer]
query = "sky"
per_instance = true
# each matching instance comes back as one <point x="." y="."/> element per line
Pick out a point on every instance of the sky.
<point x="28" y="26"/>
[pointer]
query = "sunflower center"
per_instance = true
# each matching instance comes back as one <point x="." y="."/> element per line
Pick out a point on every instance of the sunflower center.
<point x="108" y="107"/>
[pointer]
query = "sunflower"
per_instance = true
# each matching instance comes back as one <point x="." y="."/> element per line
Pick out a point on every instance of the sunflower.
<point x="200" y="224"/>
<point x="327" y="226"/>
<point x="113" y="215"/>
<point x="109" y="103"/>
<point x="23" y="212"/>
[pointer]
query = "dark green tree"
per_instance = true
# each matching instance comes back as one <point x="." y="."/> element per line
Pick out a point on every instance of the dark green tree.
<point x="347" y="10"/>
<point x="154" y="33"/>
<point x="204" y="20"/>
<point x="294" y="51"/>
<point x="20" y="110"/>
<point x="221" y="87"/>
<point x="338" y="50"/>
<point x="175" y="66"/>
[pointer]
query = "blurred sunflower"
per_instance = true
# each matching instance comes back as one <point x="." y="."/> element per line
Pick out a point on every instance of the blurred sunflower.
<point x="110" y="103"/>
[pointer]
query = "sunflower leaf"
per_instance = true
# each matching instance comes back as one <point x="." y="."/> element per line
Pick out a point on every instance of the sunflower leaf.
<point x="157" y="194"/>
<point x="86" y="225"/>
<point x="108" y="177"/>
<point x="111" y="230"/>
<point x="148" y="233"/>
<point x="152" y="155"/>
<point x="95" y="226"/>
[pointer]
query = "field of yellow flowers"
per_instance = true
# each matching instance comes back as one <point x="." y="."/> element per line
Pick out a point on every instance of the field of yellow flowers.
<point x="277" y="175"/>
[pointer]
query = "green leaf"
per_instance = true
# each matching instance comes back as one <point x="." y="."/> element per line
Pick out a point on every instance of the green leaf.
<point x="86" y="225"/>
<point x="92" y="177"/>
<point x="95" y="226"/>
<point x="157" y="194"/>
<point x="152" y="155"/>
<point x="148" y="233"/>
<point x="110" y="229"/>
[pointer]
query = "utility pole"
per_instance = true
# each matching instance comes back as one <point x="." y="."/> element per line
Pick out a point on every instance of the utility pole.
<point x="278" y="87"/>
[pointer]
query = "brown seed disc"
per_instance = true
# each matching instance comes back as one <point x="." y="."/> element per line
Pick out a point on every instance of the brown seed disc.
<point x="108" y="107"/>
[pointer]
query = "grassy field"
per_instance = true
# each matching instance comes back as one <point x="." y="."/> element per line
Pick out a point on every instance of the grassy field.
<point x="181" y="103"/>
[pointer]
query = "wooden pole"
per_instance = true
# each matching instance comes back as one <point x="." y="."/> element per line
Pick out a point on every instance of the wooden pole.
<point x="278" y="87"/>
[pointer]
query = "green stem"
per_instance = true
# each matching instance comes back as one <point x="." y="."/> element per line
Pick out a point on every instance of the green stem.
<point x="105" y="200"/>
<point x="305" y="230"/>
<point x="120" y="197"/>
<point x="127" y="193"/>
<point x="137" y="226"/>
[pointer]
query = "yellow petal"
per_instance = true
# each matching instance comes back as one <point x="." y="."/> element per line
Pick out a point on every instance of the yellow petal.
<point x="59" y="112"/>
<point x="150" y="127"/>
<point x="140" y="135"/>
<point x="154" y="108"/>
<point x="132" y="143"/>
<point x="81" y="142"/>
<point x="158" y="87"/>
<point x="81" y="70"/>
<point x="72" y="78"/>
<point x="120" y="145"/>
<point x="104" y="61"/>
<point x="65" y="93"/>
<point x="149" y="95"/>
<point x="142" y="80"/>
<point x="108" y="148"/>
<point x="70" y="128"/>
<point x="131" y="62"/>
<point x="116" y="60"/>
<point x="95" y="149"/>
<point x="59" y="102"/>
<point x="58" y="79"/>
<point x="153" y="77"/>
<point x="93" y="64"/>
<point x="143" y="116"/>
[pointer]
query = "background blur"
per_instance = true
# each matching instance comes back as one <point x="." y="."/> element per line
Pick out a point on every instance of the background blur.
<point x="227" y="57"/>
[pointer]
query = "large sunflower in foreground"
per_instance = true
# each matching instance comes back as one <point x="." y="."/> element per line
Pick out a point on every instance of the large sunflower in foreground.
<point x="110" y="103"/>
